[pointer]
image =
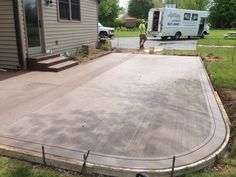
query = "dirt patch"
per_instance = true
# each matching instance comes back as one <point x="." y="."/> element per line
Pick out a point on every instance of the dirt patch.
<point x="228" y="97"/>
<point x="133" y="51"/>
<point x="86" y="58"/>
<point x="211" y="58"/>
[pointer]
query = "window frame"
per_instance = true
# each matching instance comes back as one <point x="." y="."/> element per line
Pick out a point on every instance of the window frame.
<point x="189" y="16"/>
<point x="193" y="16"/>
<point x="70" y="20"/>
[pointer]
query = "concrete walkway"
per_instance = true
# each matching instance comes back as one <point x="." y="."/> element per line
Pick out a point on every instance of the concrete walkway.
<point x="134" y="112"/>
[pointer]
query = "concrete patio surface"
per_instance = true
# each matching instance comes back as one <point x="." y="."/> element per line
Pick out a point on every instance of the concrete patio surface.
<point x="134" y="112"/>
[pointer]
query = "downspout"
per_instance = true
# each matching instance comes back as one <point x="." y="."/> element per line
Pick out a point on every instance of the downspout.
<point x="97" y="4"/>
<point x="18" y="34"/>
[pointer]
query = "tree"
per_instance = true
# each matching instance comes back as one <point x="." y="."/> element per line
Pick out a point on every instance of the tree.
<point x="121" y="10"/>
<point x="158" y="3"/>
<point x="190" y="4"/>
<point x="223" y="13"/>
<point x="193" y="4"/>
<point x="108" y="12"/>
<point x="140" y="8"/>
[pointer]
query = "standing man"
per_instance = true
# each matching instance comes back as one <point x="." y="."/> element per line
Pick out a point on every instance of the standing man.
<point x="143" y="34"/>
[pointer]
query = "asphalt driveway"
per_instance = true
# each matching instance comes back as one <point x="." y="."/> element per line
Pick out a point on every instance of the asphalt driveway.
<point x="133" y="43"/>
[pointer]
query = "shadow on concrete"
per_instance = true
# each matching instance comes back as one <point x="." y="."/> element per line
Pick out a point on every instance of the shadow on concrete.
<point x="7" y="74"/>
<point x="143" y="115"/>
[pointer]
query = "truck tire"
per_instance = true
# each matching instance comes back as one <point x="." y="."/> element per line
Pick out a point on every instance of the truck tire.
<point x="103" y="34"/>
<point x="203" y="34"/>
<point x="164" y="38"/>
<point x="142" y="175"/>
<point x="177" y="35"/>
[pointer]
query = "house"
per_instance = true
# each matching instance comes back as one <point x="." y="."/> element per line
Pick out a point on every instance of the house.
<point x="130" y="22"/>
<point x="32" y="31"/>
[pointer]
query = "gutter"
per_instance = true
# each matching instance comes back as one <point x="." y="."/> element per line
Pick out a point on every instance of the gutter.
<point x="18" y="34"/>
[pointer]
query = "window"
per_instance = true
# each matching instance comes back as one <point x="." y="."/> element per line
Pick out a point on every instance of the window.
<point x="187" y="16"/>
<point x="69" y="9"/>
<point x="64" y="9"/>
<point x="194" y="17"/>
<point x="75" y="9"/>
<point x="203" y="21"/>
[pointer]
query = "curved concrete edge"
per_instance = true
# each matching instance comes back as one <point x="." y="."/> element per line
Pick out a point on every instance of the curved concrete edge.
<point x="76" y="165"/>
<point x="207" y="162"/>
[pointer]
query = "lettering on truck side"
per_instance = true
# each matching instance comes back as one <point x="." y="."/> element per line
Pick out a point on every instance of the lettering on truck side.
<point x="174" y="19"/>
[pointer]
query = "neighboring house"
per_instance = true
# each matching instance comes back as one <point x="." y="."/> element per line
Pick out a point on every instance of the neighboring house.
<point x="32" y="29"/>
<point x="130" y="22"/>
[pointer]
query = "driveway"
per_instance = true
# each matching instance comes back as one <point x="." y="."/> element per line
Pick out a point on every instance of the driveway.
<point x="132" y="111"/>
<point x="133" y="43"/>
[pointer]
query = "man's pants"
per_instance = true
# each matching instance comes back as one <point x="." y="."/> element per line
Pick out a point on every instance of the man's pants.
<point x="142" y="40"/>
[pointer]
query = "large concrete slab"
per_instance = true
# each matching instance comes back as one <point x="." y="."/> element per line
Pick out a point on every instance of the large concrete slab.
<point x="132" y="111"/>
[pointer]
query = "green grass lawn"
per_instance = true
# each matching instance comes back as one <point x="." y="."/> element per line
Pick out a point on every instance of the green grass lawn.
<point x="216" y="37"/>
<point x="222" y="73"/>
<point x="15" y="168"/>
<point x="125" y="33"/>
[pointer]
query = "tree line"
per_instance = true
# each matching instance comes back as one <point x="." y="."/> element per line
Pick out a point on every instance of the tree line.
<point x="222" y="12"/>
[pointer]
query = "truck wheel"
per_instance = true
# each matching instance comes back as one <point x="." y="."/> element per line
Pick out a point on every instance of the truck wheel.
<point x="203" y="35"/>
<point x="164" y="38"/>
<point x="177" y="35"/>
<point x="142" y="175"/>
<point x="103" y="34"/>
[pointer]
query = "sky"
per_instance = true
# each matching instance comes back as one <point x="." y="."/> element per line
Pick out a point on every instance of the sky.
<point x="123" y="3"/>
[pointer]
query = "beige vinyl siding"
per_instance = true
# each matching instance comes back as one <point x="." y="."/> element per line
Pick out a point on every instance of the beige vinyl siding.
<point x="8" y="45"/>
<point x="70" y="34"/>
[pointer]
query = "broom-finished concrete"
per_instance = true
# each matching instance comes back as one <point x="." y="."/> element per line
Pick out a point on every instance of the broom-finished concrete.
<point x="134" y="112"/>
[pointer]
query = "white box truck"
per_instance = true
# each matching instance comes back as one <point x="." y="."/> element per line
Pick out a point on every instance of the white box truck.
<point x="174" y="23"/>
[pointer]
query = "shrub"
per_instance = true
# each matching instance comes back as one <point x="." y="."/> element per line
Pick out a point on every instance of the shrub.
<point x="118" y="23"/>
<point x="118" y="29"/>
<point x="105" y="46"/>
<point x="75" y="53"/>
<point x="123" y="29"/>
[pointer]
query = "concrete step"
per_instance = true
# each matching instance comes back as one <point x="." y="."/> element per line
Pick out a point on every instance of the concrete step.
<point x="53" y="61"/>
<point x="39" y="58"/>
<point x="62" y="66"/>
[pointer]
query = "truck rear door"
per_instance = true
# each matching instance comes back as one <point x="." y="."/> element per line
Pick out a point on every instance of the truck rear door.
<point x="160" y="21"/>
<point x="150" y="21"/>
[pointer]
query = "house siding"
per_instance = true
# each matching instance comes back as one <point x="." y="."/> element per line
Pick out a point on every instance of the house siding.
<point x="8" y="43"/>
<point x="66" y="35"/>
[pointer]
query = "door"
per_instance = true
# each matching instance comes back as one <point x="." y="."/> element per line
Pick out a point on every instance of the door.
<point x="150" y="20"/>
<point x="201" y="26"/>
<point x="156" y="16"/>
<point x="33" y="26"/>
